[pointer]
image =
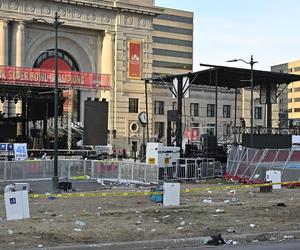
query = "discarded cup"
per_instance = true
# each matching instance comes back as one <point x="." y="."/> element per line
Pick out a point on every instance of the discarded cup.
<point x="80" y="223"/>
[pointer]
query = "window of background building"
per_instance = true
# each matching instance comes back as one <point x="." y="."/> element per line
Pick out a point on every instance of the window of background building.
<point x="226" y="129"/>
<point x="174" y="106"/>
<point x="226" y="111"/>
<point x="297" y="89"/>
<point x="289" y="110"/>
<point x="158" y="107"/>
<point x="210" y="110"/>
<point x="258" y="113"/>
<point x="297" y="110"/>
<point x="170" y="29"/>
<point x="172" y="53"/>
<point x="172" y="41"/>
<point x="195" y="125"/>
<point x="297" y="99"/>
<point x="210" y="129"/>
<point x="133" y="105"/>
<point x="290" y="100"/>
<point x="194" y="109"/>
<point x="290" y="90"/>
<point x="159" y="129"/>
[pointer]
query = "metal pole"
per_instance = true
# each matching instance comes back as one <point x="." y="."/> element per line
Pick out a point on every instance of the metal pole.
<point x="146" y="96"/>
<point x="251" y="103"/>
<point x="269" y="109"/>
<point x="179" y="116"/>
<point x="55" y="173"/>
<point x="235" y="103"/>
<point x="216" y="104"/>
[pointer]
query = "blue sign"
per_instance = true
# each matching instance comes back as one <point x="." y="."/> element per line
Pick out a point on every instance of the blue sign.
<point x="3" y="147"/>
<point x="12" y="201"/>
<point x="20" y="151"/>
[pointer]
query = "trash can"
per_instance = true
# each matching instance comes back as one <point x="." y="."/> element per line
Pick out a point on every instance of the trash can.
<point x="171" y="194"/>
<point x="16" y="204"/>
<point x="274" y="176"/>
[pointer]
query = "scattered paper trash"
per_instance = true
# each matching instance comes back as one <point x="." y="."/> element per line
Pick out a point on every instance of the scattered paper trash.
<point x="179" y="228"/>
<point x="219" y="210"/>
<point x="208" y="200"/>
<point x="40" y="246"/>
<point x="77" y="229"/>
<point x="10" y="232"/>
<point x="153" y="230"/>
<point x="11" y="243"/>
<point x="252" y="225"/>
<point x="80" y="223"/>
<point x="182" y="223"/>
<point x="289" y="237"/>
<point x="155" y="220"/>
<point x="166" y="216"/>
<point x="226" y="201"/>
<point x="140" y="229"/>
<point x="230" y="230"/>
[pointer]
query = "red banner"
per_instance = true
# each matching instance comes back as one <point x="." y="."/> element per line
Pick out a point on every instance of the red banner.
<point x="188" y="134"/>
<point x="45" y="78"/>
<point x="134" y="67"/>
<point x="195" y="134"/>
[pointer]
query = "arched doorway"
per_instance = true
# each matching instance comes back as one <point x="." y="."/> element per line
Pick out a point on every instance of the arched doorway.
<point x="69" y="99"/>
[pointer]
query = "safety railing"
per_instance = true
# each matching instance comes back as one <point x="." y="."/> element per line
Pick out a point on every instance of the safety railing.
<point x="192" y="171"/>
<point x="77" y="169"/>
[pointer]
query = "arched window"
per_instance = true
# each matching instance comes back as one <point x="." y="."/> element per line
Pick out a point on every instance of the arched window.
<point x="46" y="60"/>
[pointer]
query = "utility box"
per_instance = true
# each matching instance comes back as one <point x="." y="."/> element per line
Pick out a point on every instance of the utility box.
<point x="274" y="176"/>
<point x="16" y="205"/>
<point x="171" y="194"/>
<point x="160" y="155"/>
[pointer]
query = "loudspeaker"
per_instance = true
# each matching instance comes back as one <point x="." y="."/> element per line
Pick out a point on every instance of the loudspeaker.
<point x="95" y="123"/>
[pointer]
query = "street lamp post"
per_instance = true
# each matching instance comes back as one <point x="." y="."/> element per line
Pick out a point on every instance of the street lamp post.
<point x="251" y="63"/>
<point x="55" y="178"/>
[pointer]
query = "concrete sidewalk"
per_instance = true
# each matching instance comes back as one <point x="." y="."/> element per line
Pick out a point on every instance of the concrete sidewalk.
<point x="184" y="242"/>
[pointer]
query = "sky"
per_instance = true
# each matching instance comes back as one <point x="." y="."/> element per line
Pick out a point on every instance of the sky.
<point x="237" y="29"/>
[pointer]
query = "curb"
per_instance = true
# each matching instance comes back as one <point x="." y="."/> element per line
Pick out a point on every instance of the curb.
<point x="183" y="242"/>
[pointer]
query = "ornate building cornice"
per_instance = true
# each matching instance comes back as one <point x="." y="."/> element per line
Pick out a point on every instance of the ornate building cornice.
<point x="82" y="13"/>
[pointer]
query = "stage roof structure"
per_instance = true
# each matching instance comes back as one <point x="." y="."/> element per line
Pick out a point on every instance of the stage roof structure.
<point x="229" y="77"/>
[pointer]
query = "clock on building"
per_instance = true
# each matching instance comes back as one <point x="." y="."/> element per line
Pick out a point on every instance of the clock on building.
<point x="143" y="118"/>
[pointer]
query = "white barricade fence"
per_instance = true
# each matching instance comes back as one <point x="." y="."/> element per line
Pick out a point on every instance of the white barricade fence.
<point x="103" y="169"/>
<point x="192" y="169"/>
<point x="78" y="169"/>
<point x="138" y="171"/>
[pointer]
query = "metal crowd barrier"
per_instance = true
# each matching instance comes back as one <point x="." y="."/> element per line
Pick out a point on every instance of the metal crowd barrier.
<point x="192" y="171"/>
<point x="80" y="169"/>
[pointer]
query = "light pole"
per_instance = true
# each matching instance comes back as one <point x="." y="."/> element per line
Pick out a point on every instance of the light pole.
<point x="251" y="63"/>
<point x="55" y="178"/>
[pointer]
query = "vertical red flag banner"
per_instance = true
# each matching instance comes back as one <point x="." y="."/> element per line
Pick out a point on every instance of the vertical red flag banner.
<point x="188" y="134"/>
<point x="134" y="60"/>
<point x="195" y="134"/>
